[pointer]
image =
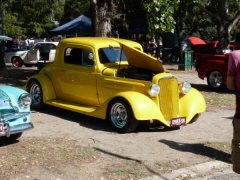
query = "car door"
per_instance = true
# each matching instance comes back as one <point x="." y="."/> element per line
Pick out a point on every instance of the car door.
<point x="52" y="52"/>
<point x="33" y="54"/>
<point x="75" y="81"/>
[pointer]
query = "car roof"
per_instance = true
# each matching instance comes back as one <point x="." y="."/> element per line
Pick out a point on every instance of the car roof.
<point x="136" y="58"/>
<point x="56" y="43"/>
<point x="100" y="41"/>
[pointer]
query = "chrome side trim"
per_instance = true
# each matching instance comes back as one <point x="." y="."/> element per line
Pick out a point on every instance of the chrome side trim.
<point x="14" y="116"/>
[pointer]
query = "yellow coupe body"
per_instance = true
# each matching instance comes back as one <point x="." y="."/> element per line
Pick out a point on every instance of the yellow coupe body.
<point x="113" y="79"/>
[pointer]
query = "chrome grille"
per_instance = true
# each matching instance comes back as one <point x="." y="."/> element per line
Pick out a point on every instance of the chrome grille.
<point x="169" y="97"/>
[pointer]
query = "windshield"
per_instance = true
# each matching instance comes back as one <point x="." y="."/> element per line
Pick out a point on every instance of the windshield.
<point x="113" y="54"/>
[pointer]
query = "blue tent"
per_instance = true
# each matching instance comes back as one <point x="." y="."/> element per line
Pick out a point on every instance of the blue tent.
<point x="80" y="25"/>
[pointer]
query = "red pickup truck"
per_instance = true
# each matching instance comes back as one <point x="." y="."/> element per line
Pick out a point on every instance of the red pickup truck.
<point x="209" y="64"/>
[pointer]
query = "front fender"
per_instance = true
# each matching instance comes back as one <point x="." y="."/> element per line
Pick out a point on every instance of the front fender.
<point x="46" y="84"/>
<point x="142" y="106"/>
<point x="191" y="104"/>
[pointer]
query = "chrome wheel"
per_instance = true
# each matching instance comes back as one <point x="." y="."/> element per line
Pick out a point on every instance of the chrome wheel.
<point x="35" y="90"/>
<point x="119" y="115"/>
<point x="215" y="79"/>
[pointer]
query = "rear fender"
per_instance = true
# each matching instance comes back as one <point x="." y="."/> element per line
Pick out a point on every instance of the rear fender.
<point x="46" y="84"/>
<point x="210" y="65"/>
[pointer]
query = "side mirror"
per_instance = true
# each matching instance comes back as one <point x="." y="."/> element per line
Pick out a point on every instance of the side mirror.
<point x="90" y="56"/>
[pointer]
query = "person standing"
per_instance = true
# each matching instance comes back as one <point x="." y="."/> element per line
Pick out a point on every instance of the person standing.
<point x="233" y="83"/>
<point x="27" y="43"/>
<point x="14" y="44"/>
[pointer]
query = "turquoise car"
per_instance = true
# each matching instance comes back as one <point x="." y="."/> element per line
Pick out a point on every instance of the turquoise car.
<point x="14" y="112"/>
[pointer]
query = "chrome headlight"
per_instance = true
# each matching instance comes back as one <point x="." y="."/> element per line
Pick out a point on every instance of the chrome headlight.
<point x="154" y="90"/>
<point x="24" y="101"/>
<point x="185" y="87"/>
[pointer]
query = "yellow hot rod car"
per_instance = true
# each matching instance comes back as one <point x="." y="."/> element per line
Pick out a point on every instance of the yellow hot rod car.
<point x="114" y="79"/>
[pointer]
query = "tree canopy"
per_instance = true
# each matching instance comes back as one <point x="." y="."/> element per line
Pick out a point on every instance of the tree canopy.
<point x="208" y="19"/>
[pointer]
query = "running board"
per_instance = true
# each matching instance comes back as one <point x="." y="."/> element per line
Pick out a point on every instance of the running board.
<point x="83" y="109"/>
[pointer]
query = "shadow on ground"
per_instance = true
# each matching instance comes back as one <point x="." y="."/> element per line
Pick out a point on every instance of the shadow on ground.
<point x="200" y="149"/>
<point x="15" y="76"/>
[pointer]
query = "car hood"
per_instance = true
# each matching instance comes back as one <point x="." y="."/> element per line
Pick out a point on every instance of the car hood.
<point x="3" y="95"/>
<point x="196" y="41"/>
<point x="5" y="102"/>
<point x="137" y="58"/>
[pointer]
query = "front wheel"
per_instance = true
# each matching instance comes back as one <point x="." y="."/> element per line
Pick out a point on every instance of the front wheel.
<point x="17" y="62"/>
<point x="215" y="80"/>
<point x="120" y="116"/>
<point x="35" y="90"/>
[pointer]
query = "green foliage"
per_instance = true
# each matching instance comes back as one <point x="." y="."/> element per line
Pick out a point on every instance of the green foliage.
<point x="160" y="14"/>
<point x="187" y="19"/>
<point x="199" y="24"/>
<point x="27" y="18"/>
<point x="127" y="15"/>
<point x="132" y="11"/>
<point x="73" y="9"/>
<point x="12" y="26"/>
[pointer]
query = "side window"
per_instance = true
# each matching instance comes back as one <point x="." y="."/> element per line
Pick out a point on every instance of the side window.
<point x="53" y="46"/>
<point x="37" y="46"/>
<point x="78" y="56"/>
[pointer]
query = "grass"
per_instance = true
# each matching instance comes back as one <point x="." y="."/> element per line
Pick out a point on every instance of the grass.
<point x="48" y="152"/>
<point x="125" y="170"/>
<point x="55" y="152"/>
<point x="15" y="158"/>
<point x="219" y="100"/>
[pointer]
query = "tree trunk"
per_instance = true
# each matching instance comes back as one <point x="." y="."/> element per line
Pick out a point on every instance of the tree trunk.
<point x="101" y="17"/>
<point x="223" y="35"/>
<point x="223" y="25"/>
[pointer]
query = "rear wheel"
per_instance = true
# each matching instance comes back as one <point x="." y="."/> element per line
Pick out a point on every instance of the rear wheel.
<point x="120" y="116"/>
<point x="174" y="58"/>
<point x="215" y="80"/>
<point x="17" y="62"/>
<point x="35" y="90"/>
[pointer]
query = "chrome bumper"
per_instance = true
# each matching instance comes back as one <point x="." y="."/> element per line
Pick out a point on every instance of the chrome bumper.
<point x="15" y="129"/>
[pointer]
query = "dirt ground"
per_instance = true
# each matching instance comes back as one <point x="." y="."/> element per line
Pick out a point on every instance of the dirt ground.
<point x="152" y="148"/>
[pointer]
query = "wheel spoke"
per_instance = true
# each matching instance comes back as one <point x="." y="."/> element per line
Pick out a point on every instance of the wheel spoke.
<point x="215" y="79"/>
<point x="119" y="115"/>
<point x="35" y="93"/>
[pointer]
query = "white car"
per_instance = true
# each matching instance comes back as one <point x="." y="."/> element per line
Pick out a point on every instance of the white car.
<point x="30" y="57"/>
